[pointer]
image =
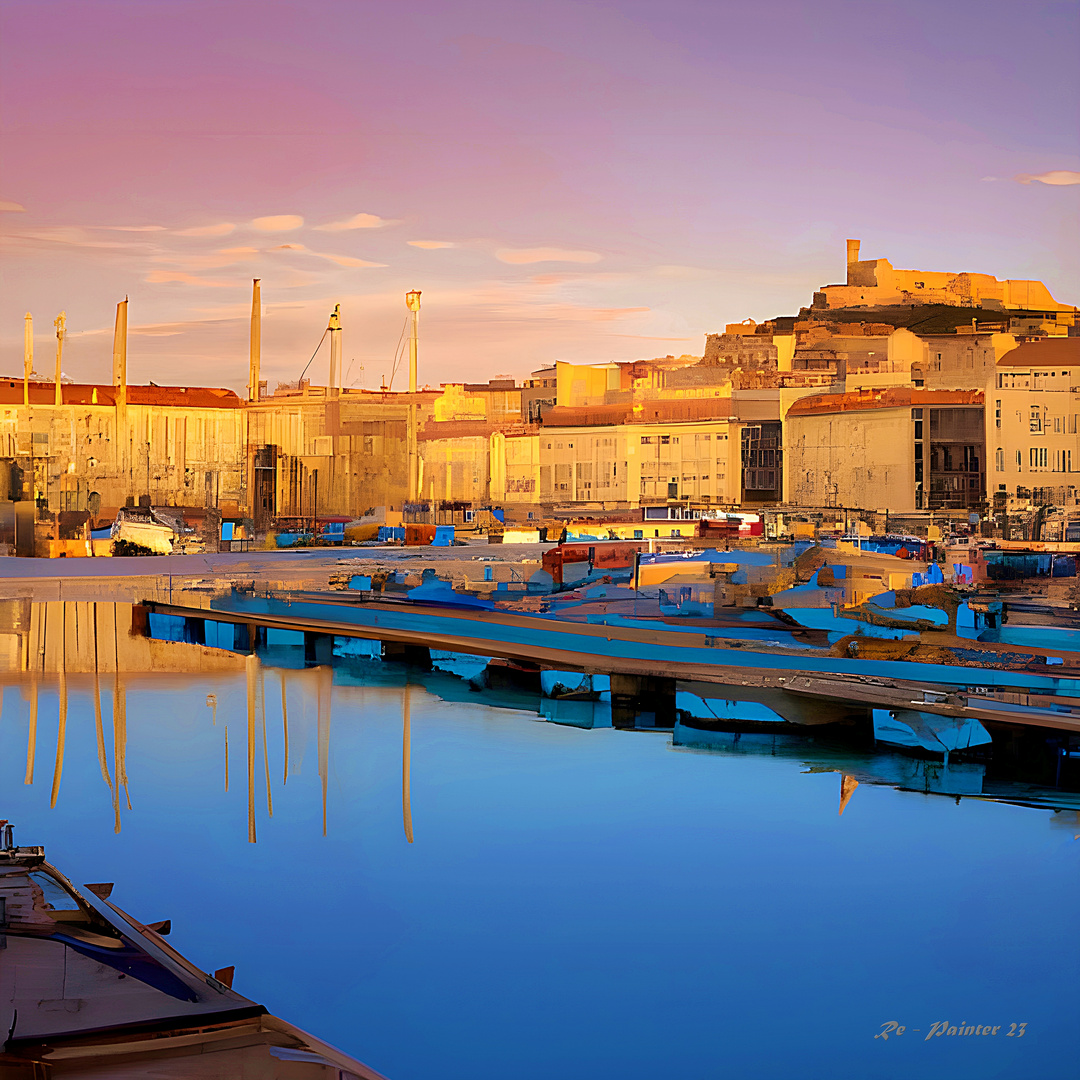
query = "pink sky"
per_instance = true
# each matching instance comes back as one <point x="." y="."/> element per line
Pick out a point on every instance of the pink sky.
<point x="586" y="181"/>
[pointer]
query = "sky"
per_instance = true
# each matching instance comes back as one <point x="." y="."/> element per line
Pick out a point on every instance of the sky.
<point x="586" y="181"/>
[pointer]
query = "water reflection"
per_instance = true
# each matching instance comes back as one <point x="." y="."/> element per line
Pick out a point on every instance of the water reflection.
<point x="529" y="848"/>
<point x="58" y="645"/>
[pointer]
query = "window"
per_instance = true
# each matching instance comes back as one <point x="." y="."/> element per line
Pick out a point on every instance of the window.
<point x="665" y="439"/>
<point x="999" y="460"/>
<point x="1057" y="425"/>
<point x="1019" y="462"/>
<point x="647" y="440"/>
<point x="997" y="413"/>
<point x="1037" y="457"/>
<point x="1035" y="420"/>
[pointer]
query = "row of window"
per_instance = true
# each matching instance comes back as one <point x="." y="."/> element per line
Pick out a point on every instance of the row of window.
<point x="1040" y="459"/>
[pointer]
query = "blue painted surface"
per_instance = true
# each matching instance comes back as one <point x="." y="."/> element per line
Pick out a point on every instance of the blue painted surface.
<point x="711" y="555"/>
<point x="565" y="636"/>
<point x="441" y="592"/>
<point x="1036" y="637"/>
<point x="226" y="530"/>
<point x="290" y="539"/>
<point x="444" y="536"/>
<point x="838" y="626"/>
<point x="560" y="877"/>
<point x="721" y="709"/>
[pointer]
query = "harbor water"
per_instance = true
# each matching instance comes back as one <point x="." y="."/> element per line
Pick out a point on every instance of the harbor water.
<point x="575" y="900"/>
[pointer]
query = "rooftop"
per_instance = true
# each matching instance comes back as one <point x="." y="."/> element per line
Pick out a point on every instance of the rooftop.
<point x="891" y="398"/>
<point x="1049" y="352"/>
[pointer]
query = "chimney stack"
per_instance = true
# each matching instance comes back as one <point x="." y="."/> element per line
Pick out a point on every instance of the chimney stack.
<point x="852" y="257"/>
<point x="119" y="353"/>
<point x="28" y="355"/>
<point x="256" y="342"/>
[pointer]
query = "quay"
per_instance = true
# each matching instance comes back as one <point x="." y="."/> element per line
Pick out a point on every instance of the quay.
<point x="803" y="685"/>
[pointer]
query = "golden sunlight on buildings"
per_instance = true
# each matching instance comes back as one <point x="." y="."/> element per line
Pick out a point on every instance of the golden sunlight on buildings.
<point x="922" y="392"/>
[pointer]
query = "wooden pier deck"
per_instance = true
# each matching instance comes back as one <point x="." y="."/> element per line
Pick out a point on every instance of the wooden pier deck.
<point x="802" y="685"/>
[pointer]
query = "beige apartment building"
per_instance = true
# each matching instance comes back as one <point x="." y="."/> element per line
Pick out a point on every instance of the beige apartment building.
<point x="720" y="450"/>
<point x="1032" y="426"/>
<point x="897" y="448"/>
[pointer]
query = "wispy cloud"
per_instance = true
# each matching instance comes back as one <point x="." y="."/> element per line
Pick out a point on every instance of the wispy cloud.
<point x="524" y="256"/>
<point x="69" y="236"/>
<point x="347" y="260"/>
<point x="357" y="221"/>
<point x="1058" y="177"/>
<point x="179" y="277"/>
<point x="278" y="223"/>
<point x="210" y="261"/>
<point x="9" y="207"/>
<point x="340" y="260"/>
<point x="429" y="245"/>
<point x="223" y="228"/>
<point x="130" y="228"/>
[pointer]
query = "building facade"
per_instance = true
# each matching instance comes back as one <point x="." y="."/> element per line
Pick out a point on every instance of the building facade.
<point x="1032" y="426"/>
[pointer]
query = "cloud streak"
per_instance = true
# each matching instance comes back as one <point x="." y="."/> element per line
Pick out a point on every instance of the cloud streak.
<point x="357" y="221"/>
<point x="340" y="260"/>
<point x="223" y="228"/>
<point x="278" y="223"/>
<point x="527" y="256"/>
<point x="430" y="245"/>
<point x="179" y="277"/>
<point x="1057" y="177"/>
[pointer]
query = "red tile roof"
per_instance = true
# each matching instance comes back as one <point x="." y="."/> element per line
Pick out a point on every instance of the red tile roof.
<point x="189" y="397"/>
<point x="1050" y="352"/>
<point x="899" y="397"/>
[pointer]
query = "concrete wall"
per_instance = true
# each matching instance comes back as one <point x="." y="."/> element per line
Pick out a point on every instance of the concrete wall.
<point x="861" y="459"/>
<point x="178" y="456"/>
<point x="963" y="361"/>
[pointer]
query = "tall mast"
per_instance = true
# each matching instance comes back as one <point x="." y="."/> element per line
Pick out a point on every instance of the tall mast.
<point x="335" y="348"/>
<point x="412" y="302"/>
<point x="59" y="322"/>
<point x="256" y="341"/>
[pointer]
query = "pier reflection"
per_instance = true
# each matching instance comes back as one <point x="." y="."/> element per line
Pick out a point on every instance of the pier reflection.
<point x="64" y="658"/>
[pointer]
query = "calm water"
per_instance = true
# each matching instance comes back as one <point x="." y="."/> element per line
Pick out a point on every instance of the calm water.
<point x="579" y="903"/>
